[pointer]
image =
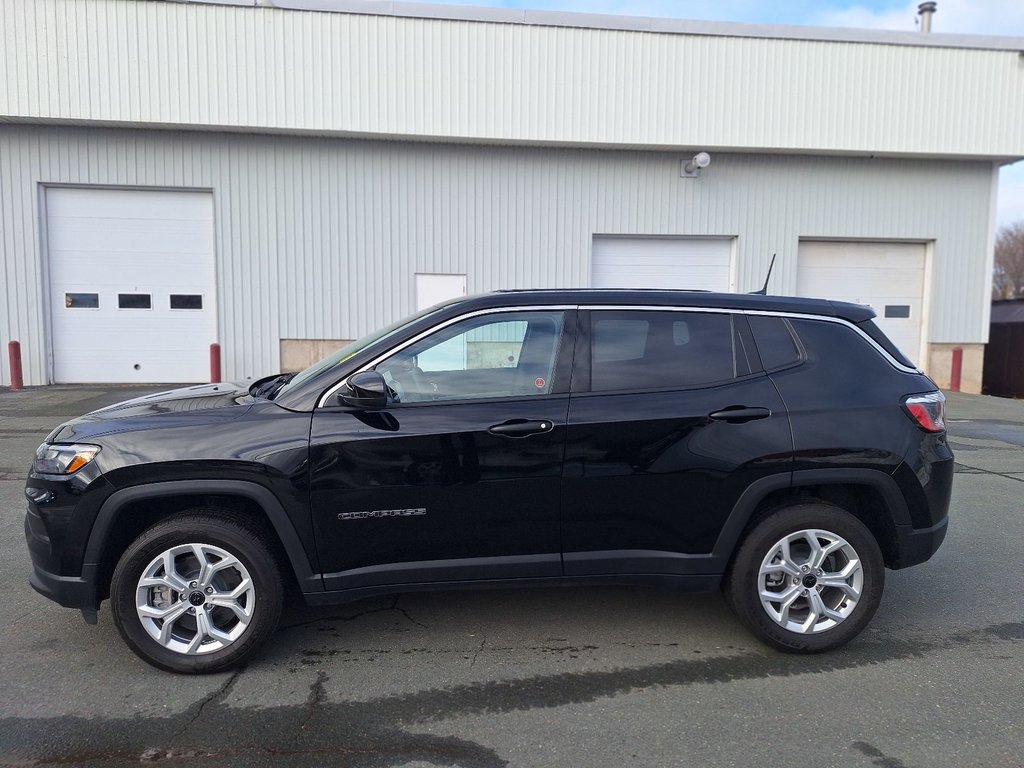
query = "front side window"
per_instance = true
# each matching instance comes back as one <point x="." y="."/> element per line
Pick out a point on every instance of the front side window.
<point x="511" y="354"/>
<point x="637" y="350"/>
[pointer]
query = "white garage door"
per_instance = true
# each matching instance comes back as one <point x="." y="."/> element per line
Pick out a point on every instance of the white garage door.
<point x="432" y="289"/>
<point x="889" y="277"/>
<point x="131" y="284"/>
<point x="662" y="262"/>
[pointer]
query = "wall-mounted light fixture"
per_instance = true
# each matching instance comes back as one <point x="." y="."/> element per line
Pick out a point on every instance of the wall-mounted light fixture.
<point x="690" y="169"/>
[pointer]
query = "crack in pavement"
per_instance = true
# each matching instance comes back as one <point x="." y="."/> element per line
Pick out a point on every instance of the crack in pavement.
<point x="374" y="733"/>
<point x="216" y="696"/>
<point x="405" y="613"/>
<point x="353" y="617"/>
<point x="981" y="471"/>
<point x="483" y="642"/>
<point x="322" y="619"/>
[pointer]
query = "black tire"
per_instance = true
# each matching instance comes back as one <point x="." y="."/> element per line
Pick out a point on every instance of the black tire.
<point x="221" y="532"/>
<point x="744" y="581"/>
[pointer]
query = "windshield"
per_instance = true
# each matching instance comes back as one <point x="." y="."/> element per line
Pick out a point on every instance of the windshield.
<point x="351" y="350"/>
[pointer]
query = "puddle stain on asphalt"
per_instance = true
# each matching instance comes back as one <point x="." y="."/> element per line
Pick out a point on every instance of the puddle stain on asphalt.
<point x="375" y="733"/>
<point x="879" y="758"/>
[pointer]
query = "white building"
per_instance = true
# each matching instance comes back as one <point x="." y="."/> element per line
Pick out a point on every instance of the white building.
<point x="275" y="179"/>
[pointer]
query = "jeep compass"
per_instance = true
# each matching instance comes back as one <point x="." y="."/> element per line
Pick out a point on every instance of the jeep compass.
<point x="780" y="449"/>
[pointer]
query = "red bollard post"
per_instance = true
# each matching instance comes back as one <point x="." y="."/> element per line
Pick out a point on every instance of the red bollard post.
<point x="214" y="363"/>
<point x="14" y="355"/>
<point x="958" y="365"/>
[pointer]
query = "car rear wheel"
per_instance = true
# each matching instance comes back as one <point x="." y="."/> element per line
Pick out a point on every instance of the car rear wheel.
<point x="196" y="593"/>
<point x="808" y="578"/>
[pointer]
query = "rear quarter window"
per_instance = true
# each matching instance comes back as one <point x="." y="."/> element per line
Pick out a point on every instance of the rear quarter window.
<point x="872" y="330"/>
<point x="843" y="353"/>
<point x="777" y="343"/>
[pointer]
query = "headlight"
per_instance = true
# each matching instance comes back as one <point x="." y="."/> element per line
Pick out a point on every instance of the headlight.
<point x="63" y="459"/>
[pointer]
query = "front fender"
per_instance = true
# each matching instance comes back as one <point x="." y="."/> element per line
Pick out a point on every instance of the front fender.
<point x="108" y="514"/>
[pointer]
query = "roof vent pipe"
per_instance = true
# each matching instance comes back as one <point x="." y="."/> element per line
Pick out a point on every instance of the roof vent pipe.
<point x="926" y="11"/>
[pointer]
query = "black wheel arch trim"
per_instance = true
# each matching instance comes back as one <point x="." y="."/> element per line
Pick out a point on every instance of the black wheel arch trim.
<point x="757" y="491"/>
<point x="268" y="502"/>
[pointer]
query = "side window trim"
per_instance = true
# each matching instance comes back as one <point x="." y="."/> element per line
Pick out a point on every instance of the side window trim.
<point x="841" y="321"/>
<point x="579" y="362"/>
<point x="580" y="383"/>
<point x="745" y="345"/>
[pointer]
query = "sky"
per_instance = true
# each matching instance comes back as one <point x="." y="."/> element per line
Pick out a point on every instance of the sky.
<point x="982" y="17"/>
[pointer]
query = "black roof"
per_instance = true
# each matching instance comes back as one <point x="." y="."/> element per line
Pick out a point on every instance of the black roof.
<point x="1008" y="311"/>
<point x="751" y="301"/>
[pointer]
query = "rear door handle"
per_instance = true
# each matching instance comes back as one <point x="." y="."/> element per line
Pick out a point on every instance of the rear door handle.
<point x="521" y="428"/>
<point x="739" y="414"/>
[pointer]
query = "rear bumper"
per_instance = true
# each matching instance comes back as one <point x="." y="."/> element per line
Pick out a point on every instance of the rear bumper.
<point x="918" y="544"/>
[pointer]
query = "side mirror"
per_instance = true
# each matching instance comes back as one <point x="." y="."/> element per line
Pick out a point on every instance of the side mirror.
<point x="366" y="390"/>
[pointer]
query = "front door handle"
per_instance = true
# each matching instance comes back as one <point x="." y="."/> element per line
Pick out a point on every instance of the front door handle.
<point x="740" y="414"/>
<point x="521" y="428"/>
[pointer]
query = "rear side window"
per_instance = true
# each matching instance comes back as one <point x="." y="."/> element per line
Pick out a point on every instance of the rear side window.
<point x="637" y="350"/>
<point x="872" y="330"/>
<point x="849" y="359"/>
<point x="776" y="341"/>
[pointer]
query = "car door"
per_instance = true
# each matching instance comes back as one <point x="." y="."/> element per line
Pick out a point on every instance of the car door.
<point x="671" y="420"/>
<point x="458" y="478"/>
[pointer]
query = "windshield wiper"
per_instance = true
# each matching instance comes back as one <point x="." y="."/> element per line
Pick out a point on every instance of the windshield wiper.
<point x="269" y="386"/>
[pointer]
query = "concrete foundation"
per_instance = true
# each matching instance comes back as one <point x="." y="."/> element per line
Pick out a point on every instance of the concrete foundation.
<point x="940" y="365"/>
<point x="297" y="354"/>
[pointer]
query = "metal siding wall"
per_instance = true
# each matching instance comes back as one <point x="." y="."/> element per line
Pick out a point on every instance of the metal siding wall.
<point x="321" y="238"/>
<point x="177" y="64"/>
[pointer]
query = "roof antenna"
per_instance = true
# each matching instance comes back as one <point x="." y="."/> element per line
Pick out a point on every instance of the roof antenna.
<point x="764" y="289"/>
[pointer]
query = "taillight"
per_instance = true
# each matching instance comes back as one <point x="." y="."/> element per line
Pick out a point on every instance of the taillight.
<point x="928" y="410"/>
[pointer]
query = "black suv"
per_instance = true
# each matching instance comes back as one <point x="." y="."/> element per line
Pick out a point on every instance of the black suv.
<point x="780" y="448"/>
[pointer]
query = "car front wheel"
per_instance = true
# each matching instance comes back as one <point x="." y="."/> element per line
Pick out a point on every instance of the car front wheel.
<point x="196" y="593"/>
<point x="807" y="578"/>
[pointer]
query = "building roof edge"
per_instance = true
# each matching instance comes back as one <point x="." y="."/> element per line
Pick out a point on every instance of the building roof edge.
<point x="638" y="23"/>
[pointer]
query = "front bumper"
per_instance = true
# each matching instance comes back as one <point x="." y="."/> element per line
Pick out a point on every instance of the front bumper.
<point x="69" y="591"/>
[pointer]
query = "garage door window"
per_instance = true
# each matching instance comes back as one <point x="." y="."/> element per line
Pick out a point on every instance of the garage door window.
<point x="186" y="301"/>
<point x="134" y="301"/>
<point x="660" y="350"/>
<point x="82" y="300"/>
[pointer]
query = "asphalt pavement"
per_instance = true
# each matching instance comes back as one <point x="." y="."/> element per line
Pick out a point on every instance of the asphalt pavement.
<point x="558" y="677"/>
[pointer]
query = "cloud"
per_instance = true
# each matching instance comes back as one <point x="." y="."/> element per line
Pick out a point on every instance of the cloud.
<point x="979" y="17"/>
<point x="983" y="17"/>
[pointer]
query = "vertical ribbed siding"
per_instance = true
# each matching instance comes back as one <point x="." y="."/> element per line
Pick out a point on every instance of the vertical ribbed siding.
<point x="176" y="64"/>
<point x="321" y="238"/>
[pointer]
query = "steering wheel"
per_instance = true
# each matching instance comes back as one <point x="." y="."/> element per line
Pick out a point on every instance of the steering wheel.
<point x="412" y="383"/>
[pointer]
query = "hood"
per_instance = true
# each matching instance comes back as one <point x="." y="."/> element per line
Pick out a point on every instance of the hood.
<point x="175" y="407"/>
